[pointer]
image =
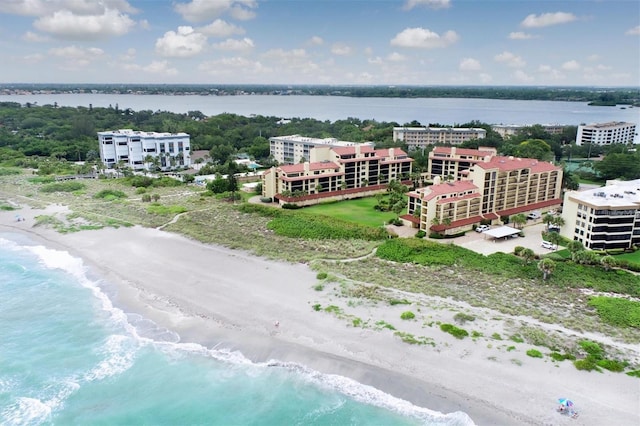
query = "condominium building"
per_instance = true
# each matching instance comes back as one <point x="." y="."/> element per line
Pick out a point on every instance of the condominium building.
<point x="453" y="163"/>
<point x="494" y="187"/>
<point x="603" y="218"/>
<point x="506" y="130"/>
<point x="295" y="149"/>
<point x="421" y="137"/>
<point x="143" y="150"/>
<point x="606" y="133"/>
<point x="337" y="173"/>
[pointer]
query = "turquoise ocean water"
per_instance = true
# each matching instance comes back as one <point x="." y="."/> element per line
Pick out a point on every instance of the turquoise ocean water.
<point x="68" y="356"/>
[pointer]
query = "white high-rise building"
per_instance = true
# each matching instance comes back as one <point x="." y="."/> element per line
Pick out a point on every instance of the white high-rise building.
<point x="142" y="150"/>
<point x="293" y="149"/>
<point x="606" y="133"/>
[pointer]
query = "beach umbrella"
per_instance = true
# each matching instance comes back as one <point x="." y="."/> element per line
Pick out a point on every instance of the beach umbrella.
<point x="566" y="402"/>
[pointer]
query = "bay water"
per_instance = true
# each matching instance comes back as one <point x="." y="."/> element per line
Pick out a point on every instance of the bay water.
<point x="445" y="111"/>
<point x="68" y="356"/>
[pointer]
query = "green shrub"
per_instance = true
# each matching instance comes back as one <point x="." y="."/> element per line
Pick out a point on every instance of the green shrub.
<point x="6" y="207"/>
<point x="110" y="194"/>
<point x="357" y="322"/>
<point x="517" y="338"/>
<point x="557" y="356"/>
<point x="617" y="311"/>
<point x="321" y="276"/>
<point x="5" y="171"/>
<point x="592" y="348"/>
<point x="146" y="198"/>
<point x="612" y="365"/>
<point x="266" y="199"/>
<point x="309" y="226"/>
<point x="70" y="186"/>
<point x="476" y="334"/>
<point x="534" y="353"/>
<point x="407" y="315"/>
<point x="587" y="364"/>
<point x="394" y="302"/>
<point x="420" y="234"/>
<point x="496" y="336"/>
<point x="634" y="373"/>
<point x="461" y="318"/>
<point x="290" y="206"/>
<point x="141" y="190"/>
<point x="317" y="307"/>
<point x="165" y="210"/>
<point x="384" y="324"/>
<point x="456" y="332"/>
<point x="318" y="287"/>
<point x="511" y="348"/>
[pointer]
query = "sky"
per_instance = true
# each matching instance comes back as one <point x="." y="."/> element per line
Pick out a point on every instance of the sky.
<point x="341" y="42"/>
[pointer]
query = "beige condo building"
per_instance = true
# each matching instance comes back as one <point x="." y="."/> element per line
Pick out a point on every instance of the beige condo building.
<point x="494" y="187"/>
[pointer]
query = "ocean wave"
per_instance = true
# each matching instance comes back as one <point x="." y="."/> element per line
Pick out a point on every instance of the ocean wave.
<point x="25" y="411"/>
<point x="372" y="396"/>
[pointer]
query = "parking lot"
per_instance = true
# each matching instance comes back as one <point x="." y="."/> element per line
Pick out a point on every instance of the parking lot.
<point x="484" y="244"/>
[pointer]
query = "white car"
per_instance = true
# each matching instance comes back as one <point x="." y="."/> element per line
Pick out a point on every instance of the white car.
<point x="483" y="228"/>
<point x="548" y="245"/>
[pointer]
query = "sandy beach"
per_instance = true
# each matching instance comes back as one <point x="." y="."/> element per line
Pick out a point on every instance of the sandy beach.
<point x="229" y="299"/>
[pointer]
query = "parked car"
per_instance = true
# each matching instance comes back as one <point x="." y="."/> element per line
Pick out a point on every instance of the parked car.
<point x="483" y="228"/>
<point x="548" y="245"/>
<point x="534" y="215"/>
<point x="554" y="228"/>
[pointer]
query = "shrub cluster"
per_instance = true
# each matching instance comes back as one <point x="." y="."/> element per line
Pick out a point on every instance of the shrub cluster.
<point x="110" y="194"/>
<point x="307" y="226"/>
<point x="456" y="332"/>
<point x="616" y="311"/>
<point x="407" y="315"/>
<point x="62" y="187"/>
<point x="534" y="353"/>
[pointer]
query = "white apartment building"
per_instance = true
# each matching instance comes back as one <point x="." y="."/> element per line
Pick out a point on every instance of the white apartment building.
<point x="606" y="133"/>
<point x="603" y="218"/>
<point x="420" y="137"/>
<point x="142" y="150"/>
<point x="294" y="149"/>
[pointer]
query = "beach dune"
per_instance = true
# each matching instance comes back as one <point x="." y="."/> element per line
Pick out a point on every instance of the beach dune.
<point x="229" y="299"/>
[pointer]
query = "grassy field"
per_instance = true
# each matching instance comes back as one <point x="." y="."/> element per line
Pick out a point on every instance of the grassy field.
<point x="360" y="211"/>
<point x="630" y="257"/>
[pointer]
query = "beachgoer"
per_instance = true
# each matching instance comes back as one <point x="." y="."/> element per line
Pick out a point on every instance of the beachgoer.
<point x="277" y="323"/>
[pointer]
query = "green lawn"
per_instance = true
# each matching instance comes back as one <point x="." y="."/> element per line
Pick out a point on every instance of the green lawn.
<point x="630" y="257"/>
<point x="359" y="211"/>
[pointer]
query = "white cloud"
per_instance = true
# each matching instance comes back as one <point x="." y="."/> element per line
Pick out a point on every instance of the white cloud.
<point x="33" y="58"/>
<point x="423" y="38"/>
<point x="206" y="10"/>
<point x="315" y="41"/>
<point x="232" y="66"/>
<point x="601" y="67"/>
<point x="235" y="44"/>
<point x="469" y="64"/>
<point x="65" y="24"/>
<point x="523" y="77"/>
<point x="633" y="31"/>
<point x="74" y="52"/>
<point x="48" y="7"/>
<point x="519" y="35"/>
<point x="129" y="55"/>
<point x="571" y="66"/>
<point x="593" y="57"/>
<point x="546" y="19"/>
<point x="220" y="28"/>
<point x="485" y="78"/>
<point x="281" y="54"/>
<point x="181" y="44"/>
<point x="295" y="61"/>
<point x="510" y="59"/>
<point x="550" y="73"/>
<point x="375" y="61"/>
<point x="155" y="67"/>
<point x="340" y="49"/>
<point x="396" y="57"/>
<point x="34" y="38"/>
<point x="433" y="4"/>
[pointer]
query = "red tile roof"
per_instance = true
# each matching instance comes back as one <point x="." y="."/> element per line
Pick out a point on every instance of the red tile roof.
<point x="299" y="168"/>
<point x="432" y="191"/>
<point x="348" y="150"/>
<point x="513" y="163"/>
<point x="461" y="151"/>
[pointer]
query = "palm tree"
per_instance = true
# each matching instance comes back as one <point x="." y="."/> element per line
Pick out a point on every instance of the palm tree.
<point x="554" y="238"/>
<point x="528" y="255"/>
<point x="547" y="219"/>
<point x="547" y="266"/>
<point x="519" y="220"/>
<point x="558" y="221"/>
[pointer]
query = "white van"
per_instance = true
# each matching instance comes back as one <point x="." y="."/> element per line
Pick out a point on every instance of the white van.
<point x="534" y="215"/>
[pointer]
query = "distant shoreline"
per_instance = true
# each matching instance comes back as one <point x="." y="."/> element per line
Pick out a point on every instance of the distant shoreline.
<point x="592" y="95"/>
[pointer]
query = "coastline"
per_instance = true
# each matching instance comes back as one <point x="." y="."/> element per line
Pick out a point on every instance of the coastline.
<point x="229" y="299"/>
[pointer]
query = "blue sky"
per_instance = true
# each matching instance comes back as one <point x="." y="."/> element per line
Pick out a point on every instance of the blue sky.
<point x="415" y="42"/>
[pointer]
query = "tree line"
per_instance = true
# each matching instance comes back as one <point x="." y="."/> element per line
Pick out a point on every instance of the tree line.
<point x="70" y="134"/>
